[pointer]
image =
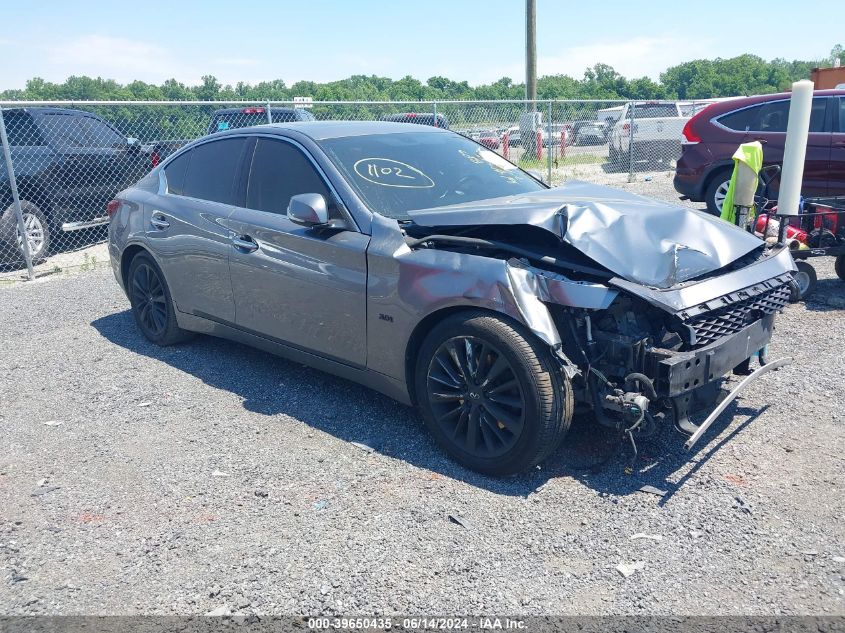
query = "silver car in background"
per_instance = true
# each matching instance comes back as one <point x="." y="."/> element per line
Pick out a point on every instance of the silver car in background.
<point x="423" y="265"/>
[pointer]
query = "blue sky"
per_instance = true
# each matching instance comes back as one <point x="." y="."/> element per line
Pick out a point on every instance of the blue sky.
<point x="322" y="40"/>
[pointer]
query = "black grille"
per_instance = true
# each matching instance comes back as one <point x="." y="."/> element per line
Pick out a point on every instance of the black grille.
<point x="715" y="324"/>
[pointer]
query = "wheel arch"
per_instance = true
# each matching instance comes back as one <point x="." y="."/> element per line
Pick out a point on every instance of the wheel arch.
<point x="429" y="322"/>
<point x="30" y="189"/>
<point x="129" y="253"/>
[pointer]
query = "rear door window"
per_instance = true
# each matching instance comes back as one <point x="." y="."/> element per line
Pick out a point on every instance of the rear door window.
<point x="280" y="171"/>
<point x="213" y="169"/>
<point x="65" y="130"/>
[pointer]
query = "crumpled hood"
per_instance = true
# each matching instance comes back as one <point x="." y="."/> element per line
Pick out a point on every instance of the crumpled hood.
<point x="639" y="239"/>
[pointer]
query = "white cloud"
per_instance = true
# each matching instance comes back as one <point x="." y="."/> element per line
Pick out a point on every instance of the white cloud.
<point x="635" y="57"/>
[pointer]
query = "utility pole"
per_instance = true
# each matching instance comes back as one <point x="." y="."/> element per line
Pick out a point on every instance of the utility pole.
<point x="531" y="52"/>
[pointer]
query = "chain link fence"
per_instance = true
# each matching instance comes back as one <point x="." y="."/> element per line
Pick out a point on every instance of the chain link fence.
<point x="63" y="162"/>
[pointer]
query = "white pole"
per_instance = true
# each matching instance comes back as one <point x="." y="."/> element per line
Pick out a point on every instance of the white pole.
<point x="797" y="130"/>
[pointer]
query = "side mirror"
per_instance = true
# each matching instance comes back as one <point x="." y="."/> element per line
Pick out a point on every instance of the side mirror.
<point x="308" y="209"/>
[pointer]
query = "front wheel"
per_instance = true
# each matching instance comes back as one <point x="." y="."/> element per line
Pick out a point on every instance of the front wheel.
<point x="492" y="394"/>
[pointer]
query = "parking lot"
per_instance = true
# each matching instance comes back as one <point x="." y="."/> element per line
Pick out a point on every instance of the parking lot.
<point x="210" y="476"/>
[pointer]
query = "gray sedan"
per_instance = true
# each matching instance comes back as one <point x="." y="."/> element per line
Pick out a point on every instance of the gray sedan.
<point x="425" y="266"/>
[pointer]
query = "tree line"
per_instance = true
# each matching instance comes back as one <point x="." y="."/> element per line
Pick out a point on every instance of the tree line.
<point x="697" y="79"/>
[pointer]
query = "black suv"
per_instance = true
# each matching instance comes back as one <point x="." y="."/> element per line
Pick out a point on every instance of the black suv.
<point x="68" y="165"/>
<point x="230" y="118"/>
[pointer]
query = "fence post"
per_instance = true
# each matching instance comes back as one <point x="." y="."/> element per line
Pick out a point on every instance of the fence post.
<point x="549" y="132"/>
<point x="16" y="201"/>
<point x="434" y="107"/>
<point x="631" y="144"/>
<point x="269" y="113"/>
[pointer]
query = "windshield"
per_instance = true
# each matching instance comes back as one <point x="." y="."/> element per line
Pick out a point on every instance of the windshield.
<point x="397" y="173"/>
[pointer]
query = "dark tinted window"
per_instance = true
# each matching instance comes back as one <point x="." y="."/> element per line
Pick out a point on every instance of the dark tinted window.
<point x="212" y="170"/>
<point x="280" y="171"/>
<point x="175" y="173"/>
<point x="21" y="129"/>
<point x="842" y="114"/>
<point x="772" y="117"/>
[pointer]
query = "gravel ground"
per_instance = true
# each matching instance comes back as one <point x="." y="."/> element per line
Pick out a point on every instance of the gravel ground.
<point x="209" y="475"/>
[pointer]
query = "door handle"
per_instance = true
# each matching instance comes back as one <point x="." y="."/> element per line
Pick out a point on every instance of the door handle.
<point x="762" y="141"/>
<point x="245" y="243"/>
<point x="159" y="222"/>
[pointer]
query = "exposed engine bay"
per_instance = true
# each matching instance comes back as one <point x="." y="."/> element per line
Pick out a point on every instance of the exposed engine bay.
<point x="638" y="354"/>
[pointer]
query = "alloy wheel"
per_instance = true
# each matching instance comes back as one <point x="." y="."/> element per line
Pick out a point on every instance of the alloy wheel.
<point x="149" y="299"/>
<point x="475" y="396"/>
<point x="720" y="194"/>
<point x="34" y="230"/>
<point x="803" y="281"/>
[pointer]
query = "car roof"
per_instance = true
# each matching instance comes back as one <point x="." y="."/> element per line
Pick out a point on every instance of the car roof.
<point x="323" y="130"/>
<point x="48" y="110"/>
<point x="732" y="103"/>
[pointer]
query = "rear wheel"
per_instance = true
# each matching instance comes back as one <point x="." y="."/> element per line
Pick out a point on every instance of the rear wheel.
<point x="716" y="191"/>
<point x="491" y="394"/>
<point x="152" y="305"/>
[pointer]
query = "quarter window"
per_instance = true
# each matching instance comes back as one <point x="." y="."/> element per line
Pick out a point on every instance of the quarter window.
<point x="280" y="171"/>
<point x="211" y="171"/>
<point x="175" y="174"/>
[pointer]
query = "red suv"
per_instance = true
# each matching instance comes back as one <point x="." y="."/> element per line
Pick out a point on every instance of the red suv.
<point x="711" y="137"/>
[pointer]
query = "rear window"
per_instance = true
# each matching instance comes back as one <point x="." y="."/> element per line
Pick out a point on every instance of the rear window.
<point x="212" y="170"/>
<point x="654" y="110"/>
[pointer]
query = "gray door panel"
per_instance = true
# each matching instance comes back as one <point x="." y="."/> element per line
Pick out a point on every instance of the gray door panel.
<point x="305" y="287"/>
<point x="191" y="241"/>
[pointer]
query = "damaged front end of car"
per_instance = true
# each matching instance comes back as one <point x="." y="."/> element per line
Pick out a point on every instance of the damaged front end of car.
<point x="647" y="306"/>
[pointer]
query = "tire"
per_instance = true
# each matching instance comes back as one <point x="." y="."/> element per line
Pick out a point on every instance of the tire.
<point x="839" y="267"/>
<point x="38" y="228"/>
<point x="152" y="305"/>
<point x="805" y="281"/>
<point x="496" y="425"/>
<point x="714" y="193"/>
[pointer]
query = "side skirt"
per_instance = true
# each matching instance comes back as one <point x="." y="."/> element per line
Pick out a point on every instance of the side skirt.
<point x="390" y="387"/>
